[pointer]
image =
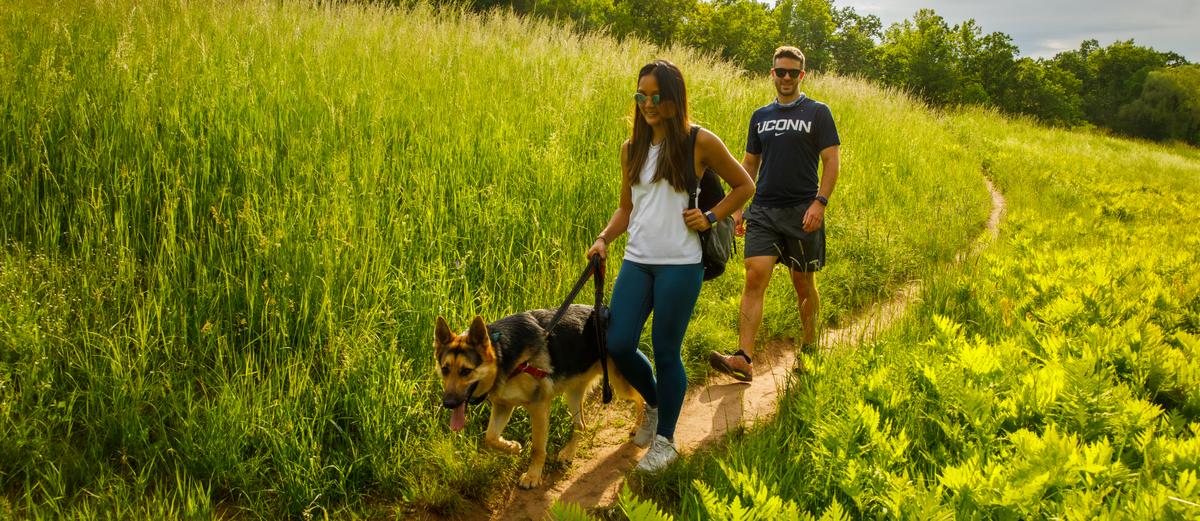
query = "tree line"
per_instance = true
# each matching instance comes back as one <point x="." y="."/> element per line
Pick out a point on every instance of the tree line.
<point x="1127" y="88"/>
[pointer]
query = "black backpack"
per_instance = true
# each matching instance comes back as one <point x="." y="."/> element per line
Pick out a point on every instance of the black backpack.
<point x="717" y="242"/>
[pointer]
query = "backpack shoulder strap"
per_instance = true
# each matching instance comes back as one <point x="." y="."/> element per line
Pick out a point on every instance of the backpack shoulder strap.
<point x="693" y="181"/>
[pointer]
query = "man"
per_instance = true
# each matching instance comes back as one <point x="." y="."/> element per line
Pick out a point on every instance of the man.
<point x="785" y="223"/>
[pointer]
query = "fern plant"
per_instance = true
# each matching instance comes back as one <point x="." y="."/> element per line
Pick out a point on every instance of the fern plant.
<point x="640" y="509"/>
<point x="565" y="511"/>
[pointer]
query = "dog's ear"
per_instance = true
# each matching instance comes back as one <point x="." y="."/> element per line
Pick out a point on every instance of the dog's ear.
<point x="442" y="333"/>
<point x="478" y="334"/>
<point x="478" y="337"/>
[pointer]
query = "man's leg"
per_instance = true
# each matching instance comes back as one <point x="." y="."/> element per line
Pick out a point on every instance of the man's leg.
<point x="758" y="277"/>
<point x="809" y="302"/>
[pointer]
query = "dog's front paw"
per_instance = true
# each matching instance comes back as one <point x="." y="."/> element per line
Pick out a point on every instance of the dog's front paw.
<point x="531" y="478"/>
<point x="504" y="445"/>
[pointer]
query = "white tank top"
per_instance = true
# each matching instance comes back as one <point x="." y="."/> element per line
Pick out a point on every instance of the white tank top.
<point x="657" y="234"/>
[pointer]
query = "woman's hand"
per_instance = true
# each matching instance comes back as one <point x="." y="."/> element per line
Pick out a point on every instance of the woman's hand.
<point x="696" y="220"/>
<point x="598" y="247"/>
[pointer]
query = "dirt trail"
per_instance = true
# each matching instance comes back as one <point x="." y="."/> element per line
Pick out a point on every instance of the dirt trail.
<point x="709" y="412"/>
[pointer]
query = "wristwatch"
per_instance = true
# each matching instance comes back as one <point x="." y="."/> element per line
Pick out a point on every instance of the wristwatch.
<point x="712" y="218"/>
<point x="824" y="200"/>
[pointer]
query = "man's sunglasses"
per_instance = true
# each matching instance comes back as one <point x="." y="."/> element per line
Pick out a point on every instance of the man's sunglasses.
<point x="640" y="99"/>
<point x="781" y="72"/>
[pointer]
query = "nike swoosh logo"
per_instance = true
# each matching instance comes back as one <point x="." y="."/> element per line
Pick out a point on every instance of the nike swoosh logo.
<point x="779" y="133"/>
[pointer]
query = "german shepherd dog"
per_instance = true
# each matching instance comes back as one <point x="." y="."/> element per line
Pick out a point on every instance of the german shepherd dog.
<point x="513" y="362"/>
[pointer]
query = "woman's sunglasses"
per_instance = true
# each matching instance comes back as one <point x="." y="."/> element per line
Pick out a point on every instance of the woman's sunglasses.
<point x="640" y="99"/>
<point x="781" y="72"/>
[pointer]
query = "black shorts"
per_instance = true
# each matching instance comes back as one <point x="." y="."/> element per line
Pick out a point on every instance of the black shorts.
<point x="779" y="233"/>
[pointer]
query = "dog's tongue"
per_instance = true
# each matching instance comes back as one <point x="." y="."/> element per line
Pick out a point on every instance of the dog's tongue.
<point x="458" y="418"/>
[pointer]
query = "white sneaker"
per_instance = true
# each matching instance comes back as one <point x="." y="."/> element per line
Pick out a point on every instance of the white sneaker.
<point x="645" y="433"/>
<point x="661" y="454"/>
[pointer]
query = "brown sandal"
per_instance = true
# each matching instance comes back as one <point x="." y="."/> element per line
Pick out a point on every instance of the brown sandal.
<point x="731" y="365"/>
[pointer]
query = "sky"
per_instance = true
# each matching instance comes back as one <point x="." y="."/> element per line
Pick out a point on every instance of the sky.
<point x="1042" y="28"/>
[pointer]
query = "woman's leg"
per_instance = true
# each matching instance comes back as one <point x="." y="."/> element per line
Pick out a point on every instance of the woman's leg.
<point x="676" y="289"/>
<point x="632" y="300"/>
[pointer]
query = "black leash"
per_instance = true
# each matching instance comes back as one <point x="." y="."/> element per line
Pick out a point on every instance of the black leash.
<point x="600" y="317"/>
<point x="595" y="271"/>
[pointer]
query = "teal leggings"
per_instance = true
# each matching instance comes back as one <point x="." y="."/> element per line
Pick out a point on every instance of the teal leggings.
<point x="670" y="291"/>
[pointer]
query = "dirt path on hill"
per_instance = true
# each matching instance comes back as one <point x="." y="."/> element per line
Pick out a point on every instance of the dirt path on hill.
<point x="709" y="412"/>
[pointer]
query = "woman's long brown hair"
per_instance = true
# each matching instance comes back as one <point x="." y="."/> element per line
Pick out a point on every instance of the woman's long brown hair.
<point x="673" y="157"/>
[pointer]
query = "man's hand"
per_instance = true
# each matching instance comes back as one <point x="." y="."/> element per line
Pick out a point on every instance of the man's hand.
<point x="695" y="220"/>
<point x="739" y="223"/>
<point x="814" y="216"/>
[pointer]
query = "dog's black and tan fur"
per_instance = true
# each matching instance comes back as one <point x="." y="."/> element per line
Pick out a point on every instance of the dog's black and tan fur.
<point x="473" y="365"/>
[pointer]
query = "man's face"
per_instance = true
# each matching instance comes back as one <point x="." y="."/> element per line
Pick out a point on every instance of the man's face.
<point x="787" y="74"/>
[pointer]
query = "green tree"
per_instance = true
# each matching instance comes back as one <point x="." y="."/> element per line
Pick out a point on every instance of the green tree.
<point x="985" y="63"/>
<point x="659" y="21"/>
<point x="918" y="55"/>
<point x="1042" y="90"/>
<point x="1121" y="71"/>
<point x="808" y="25"/>
<point x="1168" y="108"/>
<point x="741" y="31"/>
<point x="1112" y="76"/>
<point x="854" y="43"/>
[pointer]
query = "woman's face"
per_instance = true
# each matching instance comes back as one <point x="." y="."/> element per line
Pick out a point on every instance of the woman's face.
<point x="653" y="114"/>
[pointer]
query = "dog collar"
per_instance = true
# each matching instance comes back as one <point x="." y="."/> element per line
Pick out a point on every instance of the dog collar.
<point x="524" y="367"/>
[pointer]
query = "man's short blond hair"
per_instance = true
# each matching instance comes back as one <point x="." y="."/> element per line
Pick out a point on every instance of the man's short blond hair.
<point x="787" y="51"/>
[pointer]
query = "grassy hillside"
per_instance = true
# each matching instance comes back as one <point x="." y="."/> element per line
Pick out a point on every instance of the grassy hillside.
<point x="229" y="227"/>
<point x="1054" y="376"/>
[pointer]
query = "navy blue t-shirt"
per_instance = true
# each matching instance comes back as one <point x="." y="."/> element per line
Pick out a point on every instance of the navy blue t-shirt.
<point x="790" y="140"/>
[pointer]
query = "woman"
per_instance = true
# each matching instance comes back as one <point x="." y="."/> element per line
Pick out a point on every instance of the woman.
<point x="661" y="271"/>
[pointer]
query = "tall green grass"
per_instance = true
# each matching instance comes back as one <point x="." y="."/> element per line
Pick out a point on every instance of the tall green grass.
<point x="1053" y="376"/>
<point x="229" y="227"/>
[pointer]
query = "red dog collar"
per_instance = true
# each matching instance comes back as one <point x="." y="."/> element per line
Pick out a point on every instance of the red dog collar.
<point x="529" y="369"/>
